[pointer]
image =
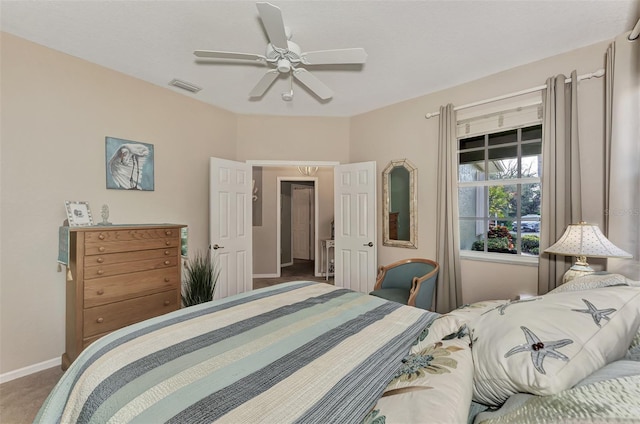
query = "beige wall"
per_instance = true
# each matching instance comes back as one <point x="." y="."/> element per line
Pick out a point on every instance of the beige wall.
<point x="401" y="131"/>
<point x="56" y="112"/>
<point x="293" y="138"/>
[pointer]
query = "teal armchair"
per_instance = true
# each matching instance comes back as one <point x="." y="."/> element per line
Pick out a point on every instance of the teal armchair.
<point x="410" y="282"/>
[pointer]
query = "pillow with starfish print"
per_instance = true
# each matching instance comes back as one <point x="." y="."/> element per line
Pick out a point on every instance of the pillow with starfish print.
<point x="546" y="344"/>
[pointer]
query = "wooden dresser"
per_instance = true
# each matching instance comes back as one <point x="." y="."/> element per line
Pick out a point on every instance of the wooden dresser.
<point x="117" y="276"/>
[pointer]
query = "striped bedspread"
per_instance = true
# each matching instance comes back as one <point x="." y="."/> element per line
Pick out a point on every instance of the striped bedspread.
<point x="296" y="352"/>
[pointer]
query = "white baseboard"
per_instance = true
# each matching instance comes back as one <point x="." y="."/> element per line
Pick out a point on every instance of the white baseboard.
<point x="265" y="276"/>
<point x="287" y="264"/>
<point x="31" y="369"/>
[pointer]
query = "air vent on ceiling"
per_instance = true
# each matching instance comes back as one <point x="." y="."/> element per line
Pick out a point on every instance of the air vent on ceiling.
<point x="185" y="85"/>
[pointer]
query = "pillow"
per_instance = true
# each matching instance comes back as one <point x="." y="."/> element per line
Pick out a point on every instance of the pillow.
<point x="616" y="369"/>
<point x="432" y="385"/>
<point x="546" y="344"/>
<point x="593" y="281"/>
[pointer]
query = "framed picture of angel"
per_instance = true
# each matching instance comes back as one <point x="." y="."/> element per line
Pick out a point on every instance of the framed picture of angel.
<point x="129" y="164"/>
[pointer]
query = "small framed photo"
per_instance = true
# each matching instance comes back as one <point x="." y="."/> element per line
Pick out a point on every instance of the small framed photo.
<point x="78" y="213"/>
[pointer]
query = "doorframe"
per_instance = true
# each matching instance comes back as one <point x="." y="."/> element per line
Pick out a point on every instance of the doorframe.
<point x="316" y="213"/>
<point x="294" y="163"/>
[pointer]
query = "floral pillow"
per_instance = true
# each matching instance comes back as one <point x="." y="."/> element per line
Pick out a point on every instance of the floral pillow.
<point x="432" y="385"/>
<point x="546" y="344"/>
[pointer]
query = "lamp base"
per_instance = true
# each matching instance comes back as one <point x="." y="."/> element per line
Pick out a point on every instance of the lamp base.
<point x="577" y="271"/>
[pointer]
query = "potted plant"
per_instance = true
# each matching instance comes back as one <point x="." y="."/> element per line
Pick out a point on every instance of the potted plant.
<point x="200" y="278"/>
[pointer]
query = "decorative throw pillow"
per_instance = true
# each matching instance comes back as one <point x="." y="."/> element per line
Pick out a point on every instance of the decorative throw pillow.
<point x="546" y="344"/>
<point x="432" y="385"/>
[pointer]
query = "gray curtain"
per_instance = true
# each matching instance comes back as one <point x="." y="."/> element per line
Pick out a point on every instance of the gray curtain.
<point x="561" y="200"/>
<point x="449" y="290"/>
<point x="622" y="153"/>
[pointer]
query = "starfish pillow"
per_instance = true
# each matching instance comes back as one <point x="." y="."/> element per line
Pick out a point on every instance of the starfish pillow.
<point x="546" y="344"/>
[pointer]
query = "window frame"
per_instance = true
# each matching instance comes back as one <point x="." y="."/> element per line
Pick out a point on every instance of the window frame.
<point x="486" y="182"/>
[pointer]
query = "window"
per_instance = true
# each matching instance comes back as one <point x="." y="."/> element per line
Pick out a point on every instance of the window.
<point x="499" y="191"/>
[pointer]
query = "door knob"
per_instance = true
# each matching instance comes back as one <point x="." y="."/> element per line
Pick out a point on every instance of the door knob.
<point x="370" y="244"/>
<point x="216" y="247"/>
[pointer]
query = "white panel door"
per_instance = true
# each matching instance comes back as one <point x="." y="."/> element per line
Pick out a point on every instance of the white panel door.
<point x="355" y="232"/>
<point x="230" y="225"/>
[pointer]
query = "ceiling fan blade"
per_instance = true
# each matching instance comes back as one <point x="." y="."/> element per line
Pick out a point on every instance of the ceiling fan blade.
<point x="330" y="57"/>
<point x="274" y="25"/>
<point x="229" y="55"/>
<point x="264" y="83"/>
<point x="313" y="83"/>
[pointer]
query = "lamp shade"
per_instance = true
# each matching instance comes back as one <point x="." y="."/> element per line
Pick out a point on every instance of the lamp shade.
<point x="586" y="240"/>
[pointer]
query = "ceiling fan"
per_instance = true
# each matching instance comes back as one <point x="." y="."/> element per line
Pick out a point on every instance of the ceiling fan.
<point x="287" y="58"/>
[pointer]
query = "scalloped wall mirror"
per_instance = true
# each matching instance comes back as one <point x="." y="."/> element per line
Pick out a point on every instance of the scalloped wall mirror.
<point x="400" y="207"/>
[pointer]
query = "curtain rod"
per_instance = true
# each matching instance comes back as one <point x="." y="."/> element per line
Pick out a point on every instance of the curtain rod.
<point x="596" y="74"/>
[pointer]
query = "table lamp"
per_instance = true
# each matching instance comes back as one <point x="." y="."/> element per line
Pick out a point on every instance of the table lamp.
<point x="582" y="240"/>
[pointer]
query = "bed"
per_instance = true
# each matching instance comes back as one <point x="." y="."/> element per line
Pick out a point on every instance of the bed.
<point x="313" y="353"/>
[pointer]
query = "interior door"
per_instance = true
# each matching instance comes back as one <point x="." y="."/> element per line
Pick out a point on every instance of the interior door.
<point x="301" y="221"/>
<point x="355" y="231"/>
<point x="230" y="225"/>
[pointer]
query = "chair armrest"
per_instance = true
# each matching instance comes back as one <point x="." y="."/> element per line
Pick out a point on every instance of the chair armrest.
<point x="426" y="283"/>
<point x="380" y="278"/>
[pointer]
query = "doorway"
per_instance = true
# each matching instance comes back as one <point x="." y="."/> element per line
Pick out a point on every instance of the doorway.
<point x="352" y="198"/>
<point x="297" y="228"/>
<point x="297" y="225"/>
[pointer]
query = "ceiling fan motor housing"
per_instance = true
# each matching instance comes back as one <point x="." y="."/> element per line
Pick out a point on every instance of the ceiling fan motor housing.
<point x="283" y="58"/>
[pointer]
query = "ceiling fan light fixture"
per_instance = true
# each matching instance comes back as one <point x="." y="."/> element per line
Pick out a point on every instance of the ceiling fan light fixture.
<point x="284" y="66"/>
<point x="308" y="171"/>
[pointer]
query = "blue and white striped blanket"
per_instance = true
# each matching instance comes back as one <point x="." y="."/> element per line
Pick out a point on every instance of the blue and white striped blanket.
<point x="297" y="352"/>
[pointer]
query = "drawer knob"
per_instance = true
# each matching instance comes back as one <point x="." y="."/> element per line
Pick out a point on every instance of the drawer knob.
<point x="166" y="252"/>
<point x="101" y="236"/>
<point x="100" y="320"/>
<point x="101" y="248"/>
<point x="168" y="232"/>
<point x="100" y="292"/>
<point x="168" y="243"/>
<point x="167" y="279"/>
<point x="167" y="262"/>
<point x="166" y="303"/>
<point x="100" y="272"/>
<point x="100" y="260"/>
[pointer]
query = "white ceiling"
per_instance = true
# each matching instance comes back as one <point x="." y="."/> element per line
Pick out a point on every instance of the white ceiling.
<point x="414" y="47"/>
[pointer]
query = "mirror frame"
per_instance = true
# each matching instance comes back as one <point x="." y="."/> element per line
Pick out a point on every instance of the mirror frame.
<point x="412" y="243"/>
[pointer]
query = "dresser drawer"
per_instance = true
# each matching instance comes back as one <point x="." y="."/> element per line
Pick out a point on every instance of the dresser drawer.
<point x="101" y="271"/>
<point x="130" y="235"/>
<point x="116" y="258"/>
<point x="100" y="291"/>
<point x="106" y="318"/>
<point x="129" y="245"/>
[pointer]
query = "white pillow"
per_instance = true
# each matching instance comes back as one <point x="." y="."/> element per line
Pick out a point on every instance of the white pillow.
<point x="547" y="344"/>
